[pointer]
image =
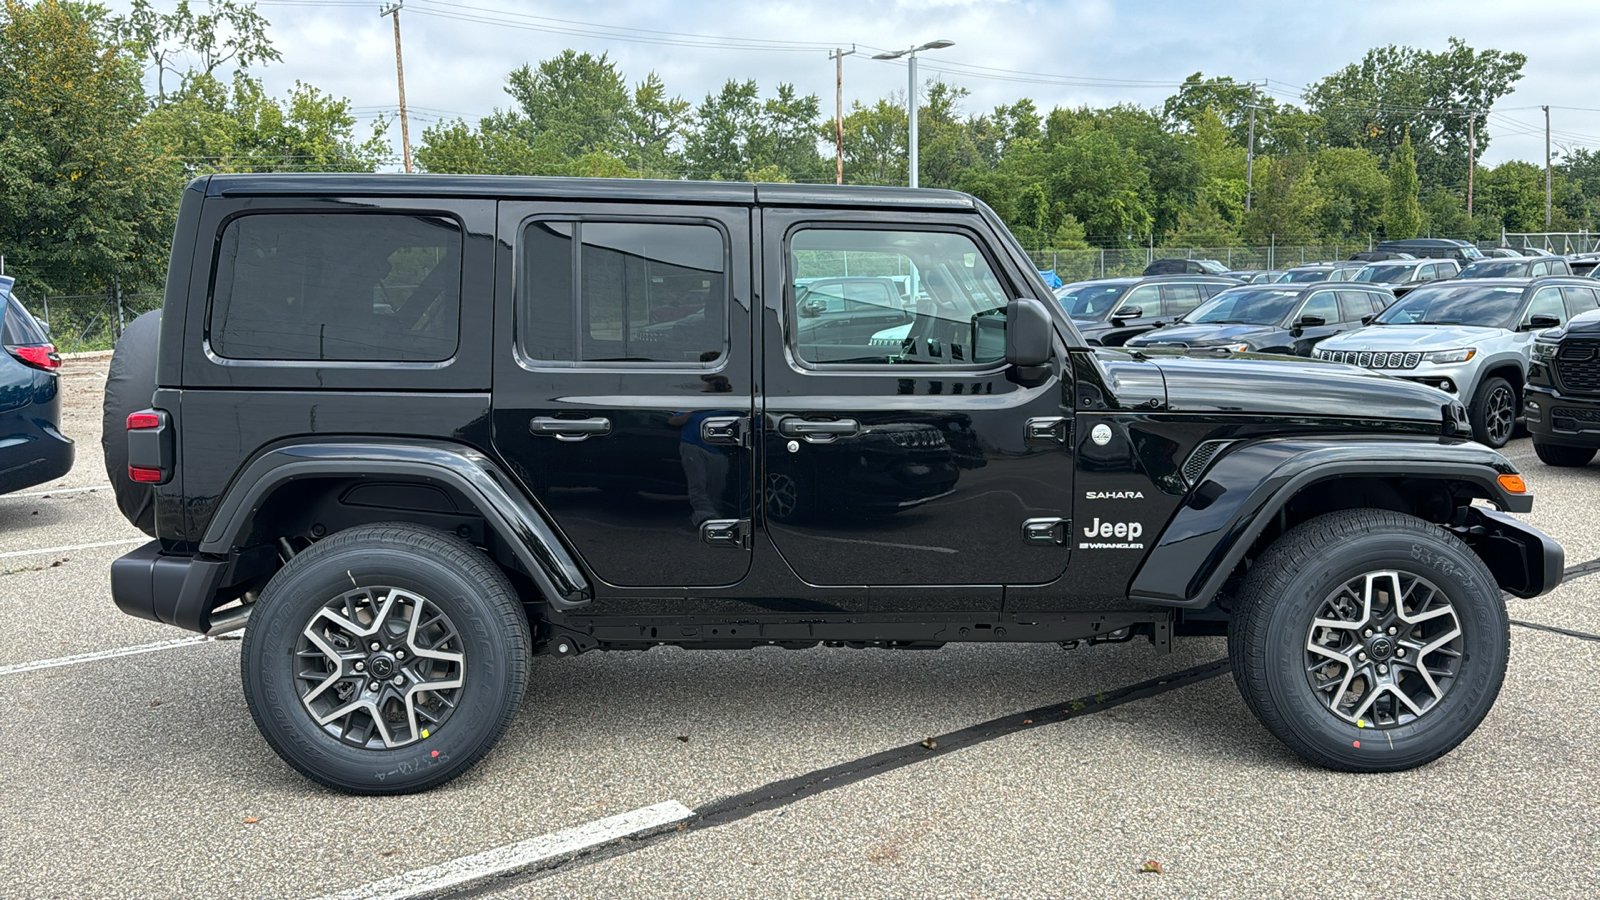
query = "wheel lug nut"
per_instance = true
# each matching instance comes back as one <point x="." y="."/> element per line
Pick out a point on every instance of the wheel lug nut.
<point x="1383" y="670"/>
<point x="1400" y="652"/>
<point x="1368" y="634"/>
<point x="1392" y="629"/>
<point x="399" y="654"/>
<point x="377" y="646"/>
<point x="373" y="686"/>
<point x="398" y="680"/>
<point x="1361" y="656"/>
<point x="361" y="667"/>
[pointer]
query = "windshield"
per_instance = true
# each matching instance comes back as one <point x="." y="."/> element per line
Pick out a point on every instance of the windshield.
<point x="1485" y="305"/>
<point x="1497" y="268"/>
<point x="1471" y="252"/>
<point x="1381" y="274"/>
<point x="1245" y="306"/>
<point x="1300" y="276"/>
<point x="1090" y="300"/>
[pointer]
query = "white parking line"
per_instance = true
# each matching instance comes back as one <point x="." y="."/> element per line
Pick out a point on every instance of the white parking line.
<point x="18" y="668"/>
<point x="511" y="857"/>
<point x="72" y="547"/>
<point x="76" y="490"/>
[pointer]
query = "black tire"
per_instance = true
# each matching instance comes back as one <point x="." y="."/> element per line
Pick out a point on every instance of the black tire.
<point x="130" y="383"/>
<point x="1272" y="631"/>
<point x="1562" y="455"/>
<point x="482" y="623"/>
<point x="1494" y="412"/>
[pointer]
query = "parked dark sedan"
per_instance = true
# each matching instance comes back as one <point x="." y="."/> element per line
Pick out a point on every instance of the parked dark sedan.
<point x="1275" y="318"/>
<point x="32" y="448"/>
<point x="1108" y="311"/>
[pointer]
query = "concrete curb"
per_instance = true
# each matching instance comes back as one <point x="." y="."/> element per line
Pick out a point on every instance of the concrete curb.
<point x="87" y="354"/>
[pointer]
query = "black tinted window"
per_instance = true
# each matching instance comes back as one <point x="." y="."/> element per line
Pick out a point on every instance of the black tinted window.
<point x="1322" y="304"/>
<point x="17" y="327"/>
<point x="1180" y="298"/>
<point x="1579" y="300"/>
<point x="623" y="292"/>
<point x="1354" y="306"/>
<point x="337" y="287"/>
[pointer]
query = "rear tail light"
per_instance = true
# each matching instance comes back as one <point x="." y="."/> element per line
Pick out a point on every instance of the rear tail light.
<point x="149" y="447"/>
<point x="39" y="356"/>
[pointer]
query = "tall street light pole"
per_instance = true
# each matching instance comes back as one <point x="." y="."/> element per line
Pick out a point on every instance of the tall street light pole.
<point x="911" y="92"/>
<point x="838" y="105"/>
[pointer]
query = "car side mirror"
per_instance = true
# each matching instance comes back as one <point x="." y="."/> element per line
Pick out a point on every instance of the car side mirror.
<point x="1129" y="312"/>
<point x="1543" y="321"/>
<point x="811" y="309"/>
<point x="1029" y="338"/>
<point x="1367" y="320"/>
<point x="1310" y="322"/>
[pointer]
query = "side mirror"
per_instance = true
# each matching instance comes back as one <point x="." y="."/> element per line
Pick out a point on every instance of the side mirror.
<point x="810" y="309"/>
<point x="1310" y="322"/>
<point x="1128" y="312"/>
<point x="1029" y="336"/>
<point x="1367" y="320"/>
<point x="1543" y="321"/>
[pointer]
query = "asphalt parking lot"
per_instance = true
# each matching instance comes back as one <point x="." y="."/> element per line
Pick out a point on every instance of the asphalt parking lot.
<point x="771" y="772"/>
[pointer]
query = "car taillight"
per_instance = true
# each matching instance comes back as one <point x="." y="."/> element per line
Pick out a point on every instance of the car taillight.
<point x="38" y="356"/>
<point x="149" y="441"/>
<point x="141" y="420"/>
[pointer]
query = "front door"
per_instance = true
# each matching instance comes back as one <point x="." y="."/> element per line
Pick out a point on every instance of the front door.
<point x="907" y="457"/>
<point x="623" y="404"/>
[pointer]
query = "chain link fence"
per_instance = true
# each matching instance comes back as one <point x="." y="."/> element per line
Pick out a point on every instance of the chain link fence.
<point x="83" y="322"/>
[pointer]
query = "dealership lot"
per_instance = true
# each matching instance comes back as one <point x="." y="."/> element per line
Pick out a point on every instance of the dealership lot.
<point x="143" y="775"/>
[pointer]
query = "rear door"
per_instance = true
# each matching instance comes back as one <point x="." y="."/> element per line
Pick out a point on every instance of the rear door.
<point x="623" y="391"/>
<point x="1326" y="305"/>
<point x="912" y="460"/>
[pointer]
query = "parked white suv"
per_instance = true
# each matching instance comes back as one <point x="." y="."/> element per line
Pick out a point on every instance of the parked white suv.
<point x="1470" y="338"/>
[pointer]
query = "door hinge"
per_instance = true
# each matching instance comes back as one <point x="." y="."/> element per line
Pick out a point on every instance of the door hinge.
<point x="726" y="431"/>
<point x="1049" y="530"/>
<point x="1047" y="428"/>
<point x="726" y="533"/>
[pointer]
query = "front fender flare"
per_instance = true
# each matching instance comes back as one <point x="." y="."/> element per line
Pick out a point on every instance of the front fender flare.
<point x="502" y="503"/>
<point x="1208" y="536"/>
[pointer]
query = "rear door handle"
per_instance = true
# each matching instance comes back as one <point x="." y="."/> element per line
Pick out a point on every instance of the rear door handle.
<point x="818" y="431"/>
<point x="569" y="429"/>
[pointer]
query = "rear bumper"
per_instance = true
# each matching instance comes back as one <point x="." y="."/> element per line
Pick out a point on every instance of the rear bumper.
<point x="177" y="590"/>
<point x="38" y="455"/>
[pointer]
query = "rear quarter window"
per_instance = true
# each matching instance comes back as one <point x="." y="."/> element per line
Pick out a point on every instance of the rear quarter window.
<point x="18" y="328"/>
<point x="337" y="286"/>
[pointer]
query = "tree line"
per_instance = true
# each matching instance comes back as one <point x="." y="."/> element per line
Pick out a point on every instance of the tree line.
<point x="103" y="119"/>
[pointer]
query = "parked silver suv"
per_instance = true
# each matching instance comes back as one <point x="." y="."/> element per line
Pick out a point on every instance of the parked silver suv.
<point x="1470" y="338"/>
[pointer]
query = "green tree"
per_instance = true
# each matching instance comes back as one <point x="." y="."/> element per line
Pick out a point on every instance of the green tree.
<point x="226" y="31"/>
<point x="1354" y="191"/>
<point x="83" y="201"/>
<point x="1287" y="202"/>
<point x="875" y="143"/>
<point x="1225" y="98"/>
<point x="568" y="106"/>
<point x="1402" y="217"/>
<point x="1102" y="184"/>
<point x="737" y="134"/>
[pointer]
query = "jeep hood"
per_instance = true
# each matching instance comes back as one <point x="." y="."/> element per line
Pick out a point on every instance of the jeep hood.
<point x="1273" y="385"/>
<point x="1412" y="337"/>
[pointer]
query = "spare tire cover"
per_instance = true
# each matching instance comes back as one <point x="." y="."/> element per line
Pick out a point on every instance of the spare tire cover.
<point x="130" y="384"/>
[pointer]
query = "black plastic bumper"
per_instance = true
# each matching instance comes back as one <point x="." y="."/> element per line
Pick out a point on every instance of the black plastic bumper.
<point x="1525" y="561"/>
<point x="1562" y="419"/>
<point x="177" y="590"/>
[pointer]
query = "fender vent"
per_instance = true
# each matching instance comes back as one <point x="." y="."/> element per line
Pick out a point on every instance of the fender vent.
<point x="1200" y="459"/>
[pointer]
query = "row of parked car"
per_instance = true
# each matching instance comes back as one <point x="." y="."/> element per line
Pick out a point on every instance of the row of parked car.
<point x="1505" y="335"/>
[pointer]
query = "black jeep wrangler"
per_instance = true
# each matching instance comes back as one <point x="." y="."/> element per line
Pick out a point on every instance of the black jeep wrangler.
<point x="417" y="430"/>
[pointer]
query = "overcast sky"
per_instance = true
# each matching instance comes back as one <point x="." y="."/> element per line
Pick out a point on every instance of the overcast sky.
<point x="1058" y="52"/>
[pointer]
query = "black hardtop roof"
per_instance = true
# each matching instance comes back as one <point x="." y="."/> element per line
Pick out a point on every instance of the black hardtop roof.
<point x="537" y="187"/>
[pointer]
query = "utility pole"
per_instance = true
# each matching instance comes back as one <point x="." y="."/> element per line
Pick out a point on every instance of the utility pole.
<point x="400" y="76"/>
<point x="1250" y="153"/>
<point x="1472" y="155"/>
<point x="1547" y="168"/>
<point x="838" y="106"/>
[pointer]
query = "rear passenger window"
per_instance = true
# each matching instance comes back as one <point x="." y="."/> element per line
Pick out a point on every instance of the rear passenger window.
<point x="1547" y="302"/>
<point x="361" y="286"/>
<point x="1180" y="298"/>
<point x="1579" y="300"/>
<point x="357" y="286"/>
<point x="623" y="292"/>
<point x="1322" y="304"/>
<point x="1354" y="306"/>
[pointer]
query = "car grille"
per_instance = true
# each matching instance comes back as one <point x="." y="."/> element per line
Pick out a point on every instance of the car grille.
<point x="1578" y="366"/>
<point x="1370" y="360"/>
<point x="1590" y="416"/>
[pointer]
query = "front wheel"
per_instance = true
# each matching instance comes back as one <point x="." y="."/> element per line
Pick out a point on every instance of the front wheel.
<point x="1493" y="412"/>
<point x="1564" y="456"/>
<point x="386" y="659"/>
<point x="1369" y="640"/>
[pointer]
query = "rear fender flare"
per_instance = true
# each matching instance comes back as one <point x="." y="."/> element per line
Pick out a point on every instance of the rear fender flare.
<point x="504" y="506"/>
<point x="1205" y="541"/>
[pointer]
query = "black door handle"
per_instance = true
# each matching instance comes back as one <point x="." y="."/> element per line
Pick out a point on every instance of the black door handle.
<point x="817" y="430"/>
<point x="569" y="429"/>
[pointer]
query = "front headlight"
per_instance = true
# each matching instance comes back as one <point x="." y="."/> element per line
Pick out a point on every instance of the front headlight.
<point x="1545" y="351"/>
<point x="1450" y="356"/>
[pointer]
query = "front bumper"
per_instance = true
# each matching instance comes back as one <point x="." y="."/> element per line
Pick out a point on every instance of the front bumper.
<point x="176" y="589"/>
<point x="1556" y="418"/>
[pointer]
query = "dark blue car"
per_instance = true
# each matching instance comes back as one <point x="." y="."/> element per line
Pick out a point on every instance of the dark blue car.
<point x="32" y="447"/>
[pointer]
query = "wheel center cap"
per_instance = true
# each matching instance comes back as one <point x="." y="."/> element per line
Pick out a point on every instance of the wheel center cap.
<point x="381" y="666"/>
<point x="1381" y="648"/>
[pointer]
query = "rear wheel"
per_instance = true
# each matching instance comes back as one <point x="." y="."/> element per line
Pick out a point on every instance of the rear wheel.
<point x="1494" y="412"/>
<point x="1561" y="455"/>
<point x="1369" y="640"/>
<point x="386" y="659"/>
